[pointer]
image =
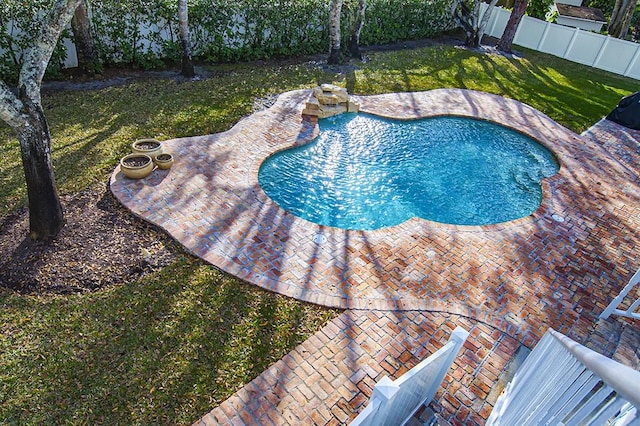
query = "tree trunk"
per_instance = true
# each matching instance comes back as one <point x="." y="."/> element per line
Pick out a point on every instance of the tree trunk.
<point x="621" y="18"/>
<point x="335" y="49"/>
<point x="482" y="26"/>
<point x="509" y="33"/>
<point x="354" y="39"/>
<point x="615" y="23"/>
<point x="465" y="19"/>
<point x="626" y="22"/>
<point x="85" y="47"/>
<point x="185" y="40"/>
<point x="25" y="115"/>
<point x="45" y="211"/>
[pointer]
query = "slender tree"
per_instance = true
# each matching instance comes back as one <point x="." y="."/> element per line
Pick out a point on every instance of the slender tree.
<point x="335" y="48"/>
<point x="621" y="18"/>
<point x="82" y="36"/>
<point x="24" y="113"/>
<point x="356" y="29"/>
<point x="185" y="39"/>
<point x="473" y="22"/>
<point x="504" y="44"/>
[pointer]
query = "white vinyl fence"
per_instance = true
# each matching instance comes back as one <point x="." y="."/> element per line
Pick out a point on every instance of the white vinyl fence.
<point x="584" y="47"/>
<point x="564" y="383"/>
<point x="395" y="402"/>
<point x="632" y="310"/>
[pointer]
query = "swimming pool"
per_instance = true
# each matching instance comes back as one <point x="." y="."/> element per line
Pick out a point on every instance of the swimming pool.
<point x="364" y="172"/>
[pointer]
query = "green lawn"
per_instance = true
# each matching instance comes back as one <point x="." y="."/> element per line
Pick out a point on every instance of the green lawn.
<point x="163" y="350"/>
<point x="166" y="349"/>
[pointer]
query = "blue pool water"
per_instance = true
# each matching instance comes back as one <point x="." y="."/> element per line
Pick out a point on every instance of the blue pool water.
<point x="365" y="172"/>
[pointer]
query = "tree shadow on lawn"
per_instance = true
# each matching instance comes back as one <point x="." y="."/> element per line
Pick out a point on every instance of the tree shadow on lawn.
<point x="162" y="350"/>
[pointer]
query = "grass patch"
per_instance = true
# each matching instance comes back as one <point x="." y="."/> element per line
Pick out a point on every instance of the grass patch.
<point x="166" y="349"/>
<point x="161" y="351"/>
<point x="574" y="95"/>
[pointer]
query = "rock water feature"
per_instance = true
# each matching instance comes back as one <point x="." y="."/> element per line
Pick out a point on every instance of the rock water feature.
<point x="328" y="100"/>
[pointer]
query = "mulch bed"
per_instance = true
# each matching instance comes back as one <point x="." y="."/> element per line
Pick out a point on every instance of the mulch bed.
<point x="102" y="244"/>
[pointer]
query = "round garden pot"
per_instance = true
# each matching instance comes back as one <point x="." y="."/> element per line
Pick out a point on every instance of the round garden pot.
<point x="150" y="147"/>
<point x="136" y="166"/>
<point x="164" y="161"/>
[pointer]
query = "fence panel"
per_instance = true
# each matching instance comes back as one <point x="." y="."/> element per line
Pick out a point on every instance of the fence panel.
<point x="530" y="32"/>
<point x="394" y="402"/>
<point x="584" y="47"/>
<point x="497" y="22"/>
<point x="617" y="56"/>
<point x="558" y="40"/>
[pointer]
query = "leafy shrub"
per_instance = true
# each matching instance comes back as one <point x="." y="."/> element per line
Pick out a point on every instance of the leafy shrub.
<point x="145" y="33"/>
<point x="19" y="20"/>
<point x="539" y="8"/>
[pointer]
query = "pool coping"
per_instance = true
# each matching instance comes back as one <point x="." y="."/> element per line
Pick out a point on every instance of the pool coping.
<point x="211" y="202"/>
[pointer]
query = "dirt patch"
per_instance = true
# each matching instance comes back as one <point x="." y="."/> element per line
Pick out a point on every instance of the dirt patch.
<point x="102" y="244"/>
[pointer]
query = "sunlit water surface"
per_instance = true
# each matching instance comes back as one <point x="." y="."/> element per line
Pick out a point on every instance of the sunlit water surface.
<point x="365" y="172"/>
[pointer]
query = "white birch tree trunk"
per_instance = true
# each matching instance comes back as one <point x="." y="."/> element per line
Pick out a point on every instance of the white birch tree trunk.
<point x="335" y="48"/>
<point x="25" y="115"/>
<point x="354" y="39"/>
<point x="485" y="20"/>
<point x="471" y="21"/>
<point x="185" y="39"/>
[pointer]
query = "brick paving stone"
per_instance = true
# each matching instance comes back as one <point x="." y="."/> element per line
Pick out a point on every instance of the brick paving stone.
<point x="389" y="261"/>
<point x="506" y="283"/>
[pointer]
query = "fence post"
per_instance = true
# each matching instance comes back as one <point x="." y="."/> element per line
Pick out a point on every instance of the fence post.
<point x="632" y="62"/>
<point x="544" y="36"/>
<point x="612" y="308"/>
<point x="458" y="337"/>
<point x="494" y="22"/>
<point x="574" y="36"/>
<point x="383" y="392"/>
<point x="601" y="52"/>
<point x="396" y="401"/>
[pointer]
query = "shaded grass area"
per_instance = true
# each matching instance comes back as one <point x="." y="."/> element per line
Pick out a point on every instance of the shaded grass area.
<point x="161" y="351"/>
<point x="167" y="348"/>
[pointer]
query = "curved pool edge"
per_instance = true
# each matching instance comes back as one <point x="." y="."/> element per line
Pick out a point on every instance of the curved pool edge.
<point x="210" y="201"/>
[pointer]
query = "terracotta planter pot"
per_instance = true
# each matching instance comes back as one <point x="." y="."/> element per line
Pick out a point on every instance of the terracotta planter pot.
<point x="136" y="166"/>
<point x="150" y="147"/>
<point x="164" y="161"/>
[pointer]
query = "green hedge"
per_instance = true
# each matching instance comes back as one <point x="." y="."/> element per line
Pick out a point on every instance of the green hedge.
<point x="19" y="21"/>
<point x="222" y="30"/>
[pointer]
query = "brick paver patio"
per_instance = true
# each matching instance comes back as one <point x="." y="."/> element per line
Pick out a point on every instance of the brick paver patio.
<point x="405" y="287"/>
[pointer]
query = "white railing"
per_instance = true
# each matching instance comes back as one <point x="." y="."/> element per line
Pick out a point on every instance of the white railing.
<point x="584" y="47"/>
<point x="563" y="382"/>
<point x="395" y="402"/>
<point x="632" y="310"/>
